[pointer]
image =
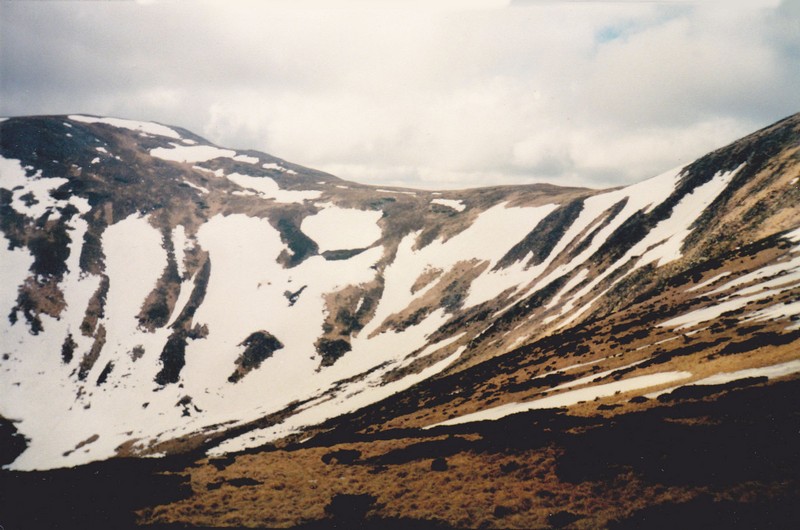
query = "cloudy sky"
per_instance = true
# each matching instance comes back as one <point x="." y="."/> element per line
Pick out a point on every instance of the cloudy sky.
<point x="421" y="93"/>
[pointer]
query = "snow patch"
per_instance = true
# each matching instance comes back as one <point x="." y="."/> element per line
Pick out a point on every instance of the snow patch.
<point x="219" y="173"/>
<point x="708" y="282"/>
<point x="705" y="314"/>
<point x="781" y="276"/>
<point x="184" y="295"/>
<point x="778" y="311"/>
<point x="190" y="153"/>
<point x="276" y="167"/>
<point x="141" y="126"/>
<point x="201" y="189"/>
<point x="570" y="398"/>
<point x="246" y="159"/>
<point x="269" y="189"/>
<point x="571" y="284"/>
<point x="794" y="235"/>
<point x="771" y="372"/>
<point x="179" y="244"/>
<point x="23" y="187"/>
<point x="775" y="269"/>
<point x="665" y="240"/>
<point x="397" y="191"/>
<point x="342" y="228"/>
<point x="458" y="206"/>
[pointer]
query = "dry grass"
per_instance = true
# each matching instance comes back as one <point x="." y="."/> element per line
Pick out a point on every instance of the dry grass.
<point x="507" y="489"/>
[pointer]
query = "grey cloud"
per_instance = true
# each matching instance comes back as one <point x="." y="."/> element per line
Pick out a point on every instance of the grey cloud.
<point x="419" y="98"/>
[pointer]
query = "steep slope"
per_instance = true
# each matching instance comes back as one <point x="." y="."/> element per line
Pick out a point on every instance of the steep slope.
<point x="157" y="285"/>
<point x="669" y="401"/>
<point x="165" y="295"/>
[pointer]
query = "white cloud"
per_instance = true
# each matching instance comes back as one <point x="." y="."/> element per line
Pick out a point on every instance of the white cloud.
<point x="428" y="94"/>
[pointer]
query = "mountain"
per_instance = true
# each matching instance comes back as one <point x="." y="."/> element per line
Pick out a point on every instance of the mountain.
<point x="229" y="310"/>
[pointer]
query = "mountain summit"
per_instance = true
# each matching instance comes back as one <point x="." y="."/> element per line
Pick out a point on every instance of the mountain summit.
<point x="162" y="295"/>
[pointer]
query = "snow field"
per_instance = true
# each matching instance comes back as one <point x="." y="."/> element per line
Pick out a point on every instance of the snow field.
<point x="489" y="237"/>
<point x="244" y="268"/>
<point x="247" y="292"/>
<point x="364" y="393"/>
<point x="644" y="195"/>
<point x="661" y="244"/>
<point x="290" y="374"/>
<point x="57" y="424"/>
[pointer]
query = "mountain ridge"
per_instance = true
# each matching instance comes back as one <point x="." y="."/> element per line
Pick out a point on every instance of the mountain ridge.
<point x="128" y="241"/>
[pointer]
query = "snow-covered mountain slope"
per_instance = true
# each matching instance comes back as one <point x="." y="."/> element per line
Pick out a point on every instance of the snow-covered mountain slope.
<point x="161" y="294"/>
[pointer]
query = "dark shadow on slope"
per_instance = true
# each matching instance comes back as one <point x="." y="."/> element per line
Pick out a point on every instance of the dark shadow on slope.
<point x="703" y="512"/>
<point x="348" y="522"/>
<point x="97" y="495"/>
<point x="744" y="435"/>
<point x="347" y="511"/>
<point x="702" y="391"/>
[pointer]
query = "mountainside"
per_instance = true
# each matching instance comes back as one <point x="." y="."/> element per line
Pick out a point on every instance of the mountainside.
<point x="164" y="296"/>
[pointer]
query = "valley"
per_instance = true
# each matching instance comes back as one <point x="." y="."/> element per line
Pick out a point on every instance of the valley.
<point x="259" y="344"/>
